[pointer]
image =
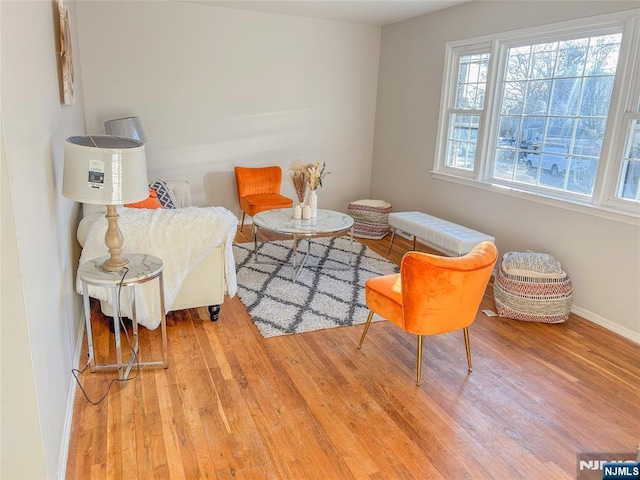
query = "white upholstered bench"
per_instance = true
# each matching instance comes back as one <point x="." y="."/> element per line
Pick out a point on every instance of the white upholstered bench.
<point x="442" y="235"/>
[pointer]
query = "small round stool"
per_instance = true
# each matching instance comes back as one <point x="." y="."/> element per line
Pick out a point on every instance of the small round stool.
<point x="370" y="218"/>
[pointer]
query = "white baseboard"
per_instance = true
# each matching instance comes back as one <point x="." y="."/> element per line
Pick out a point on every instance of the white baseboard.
<point x="68" y="418"/>
<point x="609" y="325"/>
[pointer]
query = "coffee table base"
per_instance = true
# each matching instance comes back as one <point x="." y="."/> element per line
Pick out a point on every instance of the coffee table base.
<point x="297" y="268"/>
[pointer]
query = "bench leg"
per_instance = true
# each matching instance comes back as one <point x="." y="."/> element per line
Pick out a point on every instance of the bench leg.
<point x="393" y="236"/>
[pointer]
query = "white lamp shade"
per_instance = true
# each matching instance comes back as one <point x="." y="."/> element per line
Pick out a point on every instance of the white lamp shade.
<point x="130" y="127"/>
<point x="104" y="170"/>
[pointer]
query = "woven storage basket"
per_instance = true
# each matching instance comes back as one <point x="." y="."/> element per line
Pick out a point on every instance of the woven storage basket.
<point x="370" y="218"/>
<point x="532" y="287"/>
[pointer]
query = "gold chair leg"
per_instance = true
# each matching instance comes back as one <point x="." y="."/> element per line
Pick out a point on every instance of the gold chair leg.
<point x="242" y="224"/>
<point x="419" y="373"/>
<point x="468" y="347"/>
<point x="366" y="328"/>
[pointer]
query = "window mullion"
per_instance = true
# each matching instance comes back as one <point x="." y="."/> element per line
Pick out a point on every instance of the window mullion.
<point x="491" y="110"/>
<point x="623" y="154"/>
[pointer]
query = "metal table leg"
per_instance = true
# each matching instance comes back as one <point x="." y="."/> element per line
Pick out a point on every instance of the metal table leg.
<point x="297" y="270"/>
<point x="350" y="245"/>
<point x="87" y="321"/>
<point x="116" y="329"/>
<point x="163" y="323"/>
<point x="134" y="321"/>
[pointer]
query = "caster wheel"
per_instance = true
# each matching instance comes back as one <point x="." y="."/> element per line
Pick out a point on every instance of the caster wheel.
<point x="214" y="312"/>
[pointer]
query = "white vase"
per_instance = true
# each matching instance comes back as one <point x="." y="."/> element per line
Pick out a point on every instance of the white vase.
<point x="313" y="203"/>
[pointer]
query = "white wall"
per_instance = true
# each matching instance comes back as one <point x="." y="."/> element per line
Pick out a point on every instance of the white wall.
<point x="40" y="311"/>
<point x="18" y="408"/>
<point x="602" y="256"/>
<point x="217" y="87"/>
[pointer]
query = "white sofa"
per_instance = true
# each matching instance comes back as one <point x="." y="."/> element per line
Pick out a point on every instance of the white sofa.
<point x="203" y="286"/>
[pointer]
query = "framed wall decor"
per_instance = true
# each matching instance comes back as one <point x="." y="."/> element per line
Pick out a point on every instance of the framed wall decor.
<point x="66" y="57"/>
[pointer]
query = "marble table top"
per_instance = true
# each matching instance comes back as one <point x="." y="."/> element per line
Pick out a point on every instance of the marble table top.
<point x="141" y="267"/>
<point x="281" y="221"/>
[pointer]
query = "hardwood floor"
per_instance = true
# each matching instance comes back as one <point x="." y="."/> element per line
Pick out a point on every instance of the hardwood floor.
<point x="312" y="406"/>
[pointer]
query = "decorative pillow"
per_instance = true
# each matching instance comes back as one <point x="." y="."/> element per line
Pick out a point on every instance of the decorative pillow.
<point x="150" y="202"/>
<point x="164" y="194"/>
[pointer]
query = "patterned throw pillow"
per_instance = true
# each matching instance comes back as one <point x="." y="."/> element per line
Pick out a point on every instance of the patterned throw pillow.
<point x="164" y="194"/>
<point x="150" y="202"/>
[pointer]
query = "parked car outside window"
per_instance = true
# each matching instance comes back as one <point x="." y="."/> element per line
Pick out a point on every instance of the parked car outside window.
<point x="553" y="159"/>
<point x="571" y="172"/>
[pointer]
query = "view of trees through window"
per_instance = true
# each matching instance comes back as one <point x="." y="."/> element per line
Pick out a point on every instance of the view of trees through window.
<point x="555" y="100"/>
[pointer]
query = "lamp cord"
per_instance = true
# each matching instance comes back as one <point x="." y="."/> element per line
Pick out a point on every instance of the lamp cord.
<point x="77" y="372"/>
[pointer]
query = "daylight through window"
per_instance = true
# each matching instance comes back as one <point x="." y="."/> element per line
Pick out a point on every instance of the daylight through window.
<point x="555" y="100"/>
<point x="539" y="115"/>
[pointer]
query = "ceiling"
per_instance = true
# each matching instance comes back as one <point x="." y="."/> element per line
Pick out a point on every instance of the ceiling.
<point x="372" y="12"/>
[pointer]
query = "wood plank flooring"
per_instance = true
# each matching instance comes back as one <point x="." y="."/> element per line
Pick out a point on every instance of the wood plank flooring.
<point x="312" y="406"/>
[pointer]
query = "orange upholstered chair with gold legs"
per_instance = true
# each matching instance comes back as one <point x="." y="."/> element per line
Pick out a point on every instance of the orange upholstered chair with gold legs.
<point x="259" y="190"/>
<point x="432" y="294"/>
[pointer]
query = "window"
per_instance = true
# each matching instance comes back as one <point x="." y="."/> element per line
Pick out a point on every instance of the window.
<point x="537" y="111"/>
<point x="464" y="116"/>
<point x="555" y="100"/>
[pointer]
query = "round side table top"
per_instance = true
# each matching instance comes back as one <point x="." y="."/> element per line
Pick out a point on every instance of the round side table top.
<point x="141" y="267"/>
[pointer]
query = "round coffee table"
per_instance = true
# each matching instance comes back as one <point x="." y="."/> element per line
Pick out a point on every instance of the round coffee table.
<point x="327" y="223"/>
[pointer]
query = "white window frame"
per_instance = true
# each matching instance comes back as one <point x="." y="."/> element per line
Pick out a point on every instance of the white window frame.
<point x="449" y="98"/>
<point x="631" y="108"/>
<point x="625" y="97"/>
<point x="612" y="185"/>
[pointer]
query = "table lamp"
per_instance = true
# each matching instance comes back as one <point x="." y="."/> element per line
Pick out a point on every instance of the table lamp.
<point x="106" y="170"/>
<point x="130" y="127"/>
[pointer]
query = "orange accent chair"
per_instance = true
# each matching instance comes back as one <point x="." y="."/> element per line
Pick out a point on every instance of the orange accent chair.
<point x="259" y="190"/>
<point x="432" y="294"/>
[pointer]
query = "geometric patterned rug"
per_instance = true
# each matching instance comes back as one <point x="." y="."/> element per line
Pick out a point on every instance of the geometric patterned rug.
<point x="320" y="298"/>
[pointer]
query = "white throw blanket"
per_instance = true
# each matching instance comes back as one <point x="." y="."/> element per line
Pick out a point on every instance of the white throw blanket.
<point x="181" y="238"/>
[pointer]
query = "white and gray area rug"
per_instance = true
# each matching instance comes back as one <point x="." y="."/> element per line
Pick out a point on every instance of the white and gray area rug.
<point x="320" y="298"/>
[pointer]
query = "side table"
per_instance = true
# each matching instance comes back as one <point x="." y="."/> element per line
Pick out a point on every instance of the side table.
<point x="142" y="268"/>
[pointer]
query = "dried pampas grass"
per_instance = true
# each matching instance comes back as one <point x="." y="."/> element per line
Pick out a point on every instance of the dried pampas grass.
<point x="299" y="177"/>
